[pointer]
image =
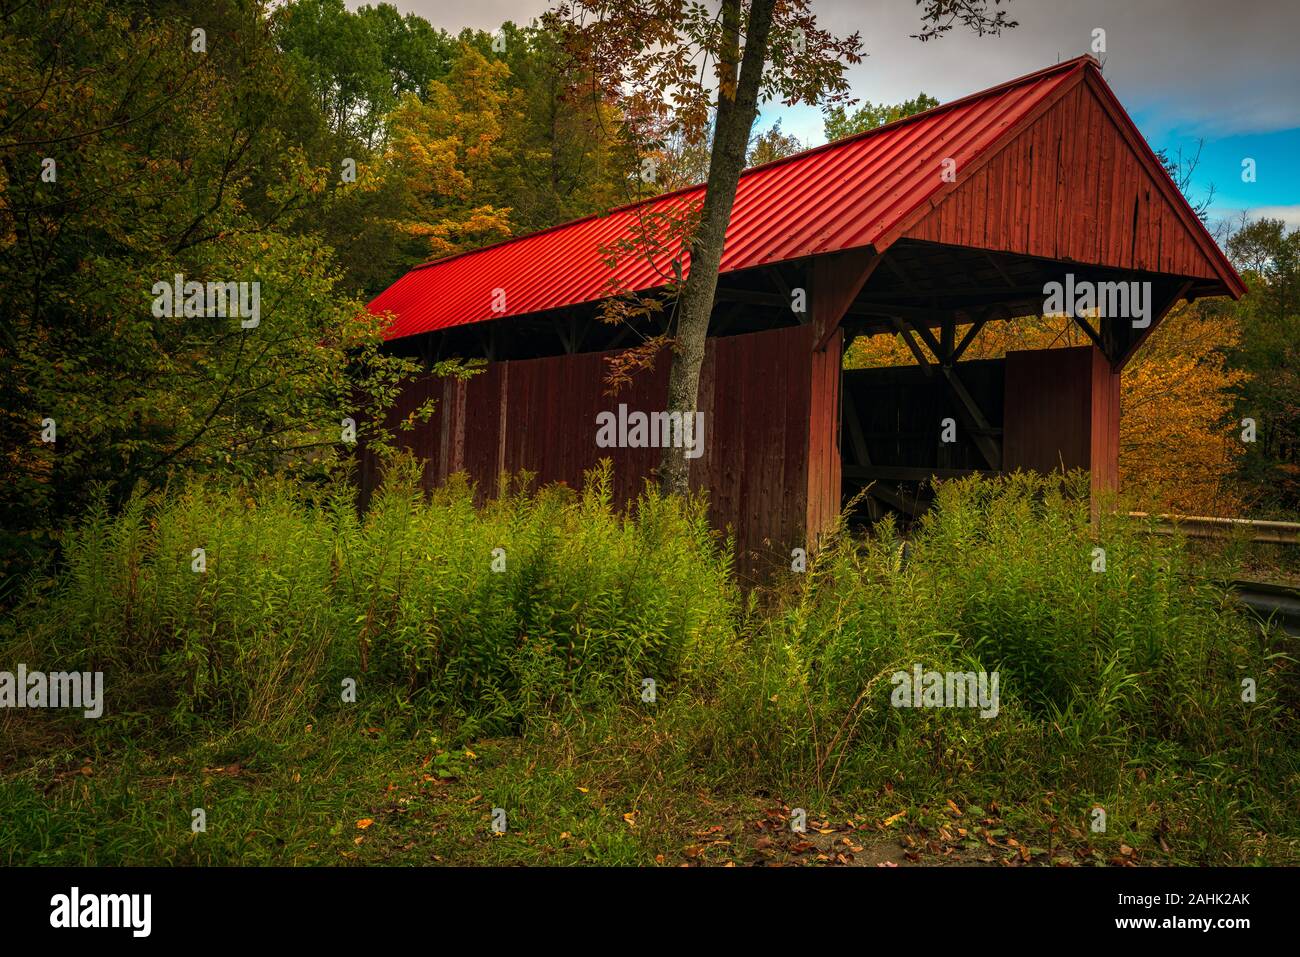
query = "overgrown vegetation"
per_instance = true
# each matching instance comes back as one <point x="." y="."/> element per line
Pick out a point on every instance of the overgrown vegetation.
<point x="524" y="688"/>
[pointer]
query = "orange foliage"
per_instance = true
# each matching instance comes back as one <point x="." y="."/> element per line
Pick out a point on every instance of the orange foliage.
<point x="440" y="144"/>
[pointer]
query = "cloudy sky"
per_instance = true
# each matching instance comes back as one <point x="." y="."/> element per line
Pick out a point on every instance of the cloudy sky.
<point x="1223" y="71"/>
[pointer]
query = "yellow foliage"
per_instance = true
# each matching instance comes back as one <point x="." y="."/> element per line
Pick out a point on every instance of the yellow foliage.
<point x="1178" y="443"/>
<point x="439" y="144"/>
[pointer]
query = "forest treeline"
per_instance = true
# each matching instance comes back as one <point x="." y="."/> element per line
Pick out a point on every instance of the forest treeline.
<point x="321" y="152"/>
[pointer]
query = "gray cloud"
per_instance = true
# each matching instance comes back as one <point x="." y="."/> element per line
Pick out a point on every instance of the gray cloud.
<point x="1205" y="67"/>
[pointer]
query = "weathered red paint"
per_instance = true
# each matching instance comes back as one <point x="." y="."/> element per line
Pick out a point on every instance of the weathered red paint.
<point x="1047" y="166"/>
<point x="1061" y="410"/>
<point x="1071" y="186"/>
<point x="771" y="473"/>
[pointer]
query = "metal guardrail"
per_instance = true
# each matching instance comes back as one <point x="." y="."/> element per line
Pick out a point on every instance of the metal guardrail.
<point x="1272" y="602"/>
<point x="1202" y="526"/>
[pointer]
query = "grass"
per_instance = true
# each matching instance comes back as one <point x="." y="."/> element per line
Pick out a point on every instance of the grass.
<point x="523" y="688"/>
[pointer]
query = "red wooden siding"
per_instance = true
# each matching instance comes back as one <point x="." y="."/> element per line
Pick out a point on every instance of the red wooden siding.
<point x="1071" y="187"/>
<point x="771" y="408"/>
<point x="1061" y="409"/>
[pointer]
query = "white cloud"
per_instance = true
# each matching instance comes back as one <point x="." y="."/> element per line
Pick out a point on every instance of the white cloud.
<point x="1288" y="214"/>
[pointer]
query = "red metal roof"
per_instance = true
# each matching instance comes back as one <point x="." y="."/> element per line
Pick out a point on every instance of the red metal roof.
<point x="848" y="194"/>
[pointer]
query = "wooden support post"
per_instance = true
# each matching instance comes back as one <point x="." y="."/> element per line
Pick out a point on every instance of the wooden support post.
<point x="854" y="426"/>
<point x="858" y="442"/>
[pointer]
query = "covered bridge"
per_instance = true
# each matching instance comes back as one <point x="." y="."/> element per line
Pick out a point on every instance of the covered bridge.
<point x="929" y="227"/>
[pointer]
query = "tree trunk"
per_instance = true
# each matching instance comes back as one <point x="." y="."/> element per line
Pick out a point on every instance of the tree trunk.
<point x="737" y="109"/>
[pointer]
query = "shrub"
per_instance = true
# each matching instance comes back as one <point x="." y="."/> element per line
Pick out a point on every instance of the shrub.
<point x="300" y="593"/>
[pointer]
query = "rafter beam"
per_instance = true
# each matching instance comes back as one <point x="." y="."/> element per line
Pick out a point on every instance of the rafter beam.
<point x="924" y="332"/>
<point x="1126" y="352"/>
<point x="992" y="261"/>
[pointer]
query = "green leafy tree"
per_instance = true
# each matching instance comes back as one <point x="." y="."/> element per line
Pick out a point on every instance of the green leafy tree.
<point x="1268" y="255"/>
<point x="839" y="122"/>
<point x="134" y="150"/>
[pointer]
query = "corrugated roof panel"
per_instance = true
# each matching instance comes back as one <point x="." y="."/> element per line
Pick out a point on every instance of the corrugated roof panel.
<point x="844" y="195"/>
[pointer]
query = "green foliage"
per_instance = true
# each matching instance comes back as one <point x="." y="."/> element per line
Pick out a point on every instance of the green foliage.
<point x="1100" y="673"/>
<point x="359" y="64"/>
<point x="169" y="161"/>
<point x="1120" y="688"/>
<point x="299" y="593"/>
<point x="839" y="122"/>
<point x="1269" y="257"/>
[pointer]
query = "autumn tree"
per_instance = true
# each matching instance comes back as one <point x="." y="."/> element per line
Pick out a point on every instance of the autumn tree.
<point x="440" y="147"/>
<point x="672" y="62"/>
